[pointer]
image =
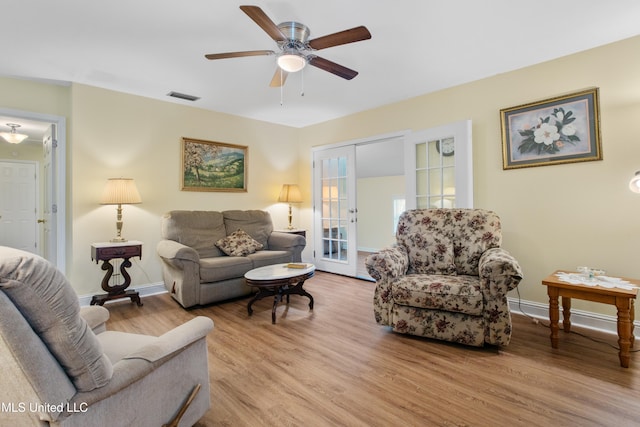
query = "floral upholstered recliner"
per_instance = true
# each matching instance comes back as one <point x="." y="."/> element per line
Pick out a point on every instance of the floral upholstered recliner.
<point x="446" y="277"/>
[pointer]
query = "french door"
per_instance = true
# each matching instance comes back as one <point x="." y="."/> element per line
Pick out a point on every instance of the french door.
<point x="438" y="172"/>
<point x="439" y="167"/>
<point x="334" y="209"/>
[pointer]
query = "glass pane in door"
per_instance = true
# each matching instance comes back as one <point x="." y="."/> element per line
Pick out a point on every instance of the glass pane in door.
<point x="435" y="174"/>
<point x="334" y="208"/>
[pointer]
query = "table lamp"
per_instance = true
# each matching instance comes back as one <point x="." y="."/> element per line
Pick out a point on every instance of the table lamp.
<point x="120" y="191"/>
<point x="290" y="193"/>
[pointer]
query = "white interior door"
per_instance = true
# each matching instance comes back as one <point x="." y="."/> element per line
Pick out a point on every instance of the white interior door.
<point x="439" y="167"/>
<point x="49" y="238"/>
<point x="18" y="213"/>
<point x="335" y="211"/>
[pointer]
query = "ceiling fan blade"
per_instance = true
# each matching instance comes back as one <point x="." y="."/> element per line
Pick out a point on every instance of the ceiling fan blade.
<point x="332" y="67"/>
<point x="238" y="54"/>
<point x="264" y="22"/>
<point x="279" y="78"/>
<point x="343" y="37"/>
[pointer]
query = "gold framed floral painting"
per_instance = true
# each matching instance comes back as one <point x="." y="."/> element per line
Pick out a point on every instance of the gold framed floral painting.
<point x="213" y="166"/>
<point x="564" y="129"/>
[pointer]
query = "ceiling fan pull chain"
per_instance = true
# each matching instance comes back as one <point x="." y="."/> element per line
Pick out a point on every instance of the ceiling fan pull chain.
<point x="281" y="90"/>
<point x="302" y="79"/>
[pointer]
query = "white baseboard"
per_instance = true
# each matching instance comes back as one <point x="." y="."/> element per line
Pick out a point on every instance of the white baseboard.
<point x="585" y="319"/>
<point x="144" y="290"/>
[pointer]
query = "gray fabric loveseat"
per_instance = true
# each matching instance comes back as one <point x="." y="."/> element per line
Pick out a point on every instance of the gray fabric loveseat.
<point x="196" y="269"/>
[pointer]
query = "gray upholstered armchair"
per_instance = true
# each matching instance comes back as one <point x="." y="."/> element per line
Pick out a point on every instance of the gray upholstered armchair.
<point x="61" y="367"/>
<point x="446" y="278"/>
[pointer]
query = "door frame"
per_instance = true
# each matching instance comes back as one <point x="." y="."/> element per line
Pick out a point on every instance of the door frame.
<point x="351" y="269"/>
<point x="60" y="181"/>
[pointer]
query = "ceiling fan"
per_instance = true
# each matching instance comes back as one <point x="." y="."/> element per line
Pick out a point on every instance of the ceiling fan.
<point x="295" y="50"/>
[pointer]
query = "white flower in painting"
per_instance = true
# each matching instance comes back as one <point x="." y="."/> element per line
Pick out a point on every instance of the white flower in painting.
<point x="569" y="130"/>
<point x="560" y="116"/>
<point x="546" y="134"/>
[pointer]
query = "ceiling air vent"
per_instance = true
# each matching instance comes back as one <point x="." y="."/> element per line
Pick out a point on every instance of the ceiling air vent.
<point x="183" y="96"/>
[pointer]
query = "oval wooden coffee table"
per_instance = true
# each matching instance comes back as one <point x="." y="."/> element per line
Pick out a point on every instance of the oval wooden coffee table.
<point x="279" y="280"/>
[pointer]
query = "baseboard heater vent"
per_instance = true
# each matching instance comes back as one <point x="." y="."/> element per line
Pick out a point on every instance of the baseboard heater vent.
<point x="183" y="96"/>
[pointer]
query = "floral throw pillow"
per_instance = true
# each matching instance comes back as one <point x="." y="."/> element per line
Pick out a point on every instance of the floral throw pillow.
<point x="429" y="254"/>
<point x="238" y="243"/>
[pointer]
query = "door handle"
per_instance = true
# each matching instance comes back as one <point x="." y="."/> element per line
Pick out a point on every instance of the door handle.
<point x="42" y="221"/>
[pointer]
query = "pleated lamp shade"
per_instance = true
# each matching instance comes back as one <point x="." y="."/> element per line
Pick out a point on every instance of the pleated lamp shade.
<point x="120" y="191"/>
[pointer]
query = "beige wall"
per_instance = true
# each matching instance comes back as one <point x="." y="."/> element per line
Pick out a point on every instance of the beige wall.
<point x="118" y="135"/>
<point x="22" y="151"/>
<point x="375" y="210"/>
<point x="554" y="217"/>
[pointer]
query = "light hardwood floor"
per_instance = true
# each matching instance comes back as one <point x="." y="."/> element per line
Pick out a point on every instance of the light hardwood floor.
<point x="334" y="366"/>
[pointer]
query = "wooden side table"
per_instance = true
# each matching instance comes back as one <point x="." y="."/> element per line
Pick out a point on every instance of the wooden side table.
<point x="623" y="299"/>
<point x="107" y="251"/>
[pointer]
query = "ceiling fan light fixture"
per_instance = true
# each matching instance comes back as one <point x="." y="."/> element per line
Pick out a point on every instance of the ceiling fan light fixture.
<point x="295" y="49"/>
<point x="13" y="137"/>
<point x="291" y="62"/>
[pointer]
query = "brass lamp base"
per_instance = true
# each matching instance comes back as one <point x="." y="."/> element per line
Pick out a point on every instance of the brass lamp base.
<point x="118" y="238"/>
<point x="290" y="227"/>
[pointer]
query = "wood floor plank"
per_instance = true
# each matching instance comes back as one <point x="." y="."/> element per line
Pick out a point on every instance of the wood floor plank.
<point x="334" y="366"/>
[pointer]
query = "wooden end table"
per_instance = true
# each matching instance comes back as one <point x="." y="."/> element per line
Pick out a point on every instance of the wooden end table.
<point x="105" y="252"/>
<point x="278" y="280"/>
<point x="623" y="299"/>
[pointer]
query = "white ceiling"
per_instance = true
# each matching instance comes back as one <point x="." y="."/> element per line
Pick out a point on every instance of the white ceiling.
<point x="152" y="47"/>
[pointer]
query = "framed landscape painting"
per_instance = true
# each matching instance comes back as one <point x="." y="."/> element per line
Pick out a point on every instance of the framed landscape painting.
<point x="564" y="129"/>
<point x="213" y="166"/>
